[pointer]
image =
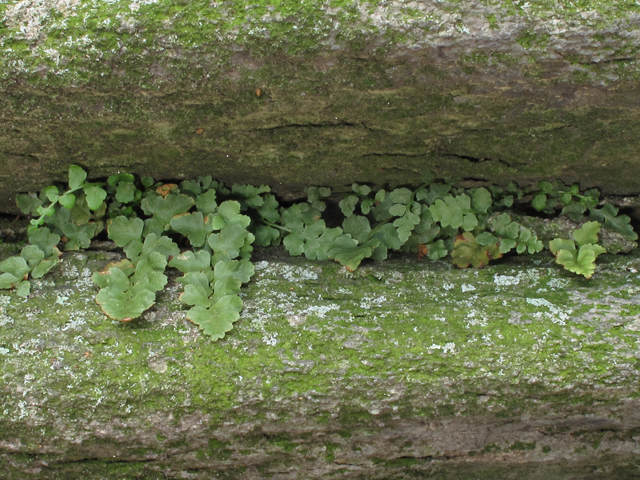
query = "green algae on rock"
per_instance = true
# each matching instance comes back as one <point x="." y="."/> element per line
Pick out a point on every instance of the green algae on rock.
<point x="333" y="92"/>
<point x="399" y="368"/>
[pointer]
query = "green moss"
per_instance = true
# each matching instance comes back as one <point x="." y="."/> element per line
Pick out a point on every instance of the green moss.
<point x="522" y="446"/>
<point x="443" y="337"/>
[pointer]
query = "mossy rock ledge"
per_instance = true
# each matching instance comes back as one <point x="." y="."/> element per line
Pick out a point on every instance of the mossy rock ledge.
<point x="294" y="93"/>
<point x="403" y="369"/>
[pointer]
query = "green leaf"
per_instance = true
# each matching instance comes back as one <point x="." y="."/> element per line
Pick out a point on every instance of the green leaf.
<point x="126" y="192"/>
<point x="218" y="319"/>
<point x="453" y="210"/>
<point x="78" y="236"/>
<point x="52" y="193"/>
<point x="508" y="244"/>
<point x="504" y="227"/>
<point x="67" y="200"/>
<point x="123" y="305"/>
<point x="16" y="266"/>
<point x="315" y="194"/>
<point x="191" y="188"/>
<point x="163" y="245"/>
<point x="581" y="262"/>
<point x="539" y="202"/>
<point x="202" y="279"/>
<point x="348" y="253"/>
<point x="228" y="212"/>
<point x="231" y="239"/>
<point x="398" y="210"/>
<point x="147" y="182"/>
<point x="8" y="281"/>
<point x="114" y="180"/>
<point x="80" y="213"/>
<point x="206" y="202"/>
<point x="405" y="225"/>
<point x="348" y="205"/>
<point x="486" y="238"/>
<point x="574" y="211"/>
<point x="122" y="230"/>
<point x="481" y="200"/>
<point x="269" y="209"/>
<point x="196" y="295"/>
<point x="266" y="236"/>
<point x="362" y="190"/>
<point x="23" y="288"/>
<point x="437" y="250"/>
<point x="77" y="176"/>
<point x="317" y="248"/>
<point x="294" y="243"/>
<point x="113" y="278"/>
<point x="241" y="270"/>
<point x="248" y="195"/>
<point x="133" y="250"/>
<point x="28" y="203"/>
<point x="387" y="234"/>
<point x="153" y="281"/>
<point x="356" y="226"/>
<point x="558" y="244"/>
<point x="607" y="215"/>
<point x="165" y="208"/>
<point x="467" y="251"/>
<point x="469" y="222"/>
<point x="153" y="225"/>
<point x="427" y="176"/>
<point x="365" y="206"/>
<point x="45" y="266"/>
<point x="191" y="261"/>
<point x="230" y="275"/>
<point x="43" y="238"/>
<point x="545" y="186"/>
<point x="32" y="254"/>
<point x="194" y="226"/>
<point x="74" y="236"/>
<point x="588" y="233"/>
<point x="401" y="195"/>
<point x="95" y="196"/>
<point x="148" y="263"/>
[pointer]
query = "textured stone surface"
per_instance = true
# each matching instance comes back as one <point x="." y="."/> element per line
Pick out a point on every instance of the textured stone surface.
<point x="329" y="93"/>
<point x="399" y="370"/>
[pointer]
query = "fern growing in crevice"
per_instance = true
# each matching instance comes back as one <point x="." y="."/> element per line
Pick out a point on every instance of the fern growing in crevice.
<point x="208" y="232"/>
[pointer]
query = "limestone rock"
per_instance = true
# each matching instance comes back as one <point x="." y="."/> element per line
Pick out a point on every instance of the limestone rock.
<point x="324" y="93"/>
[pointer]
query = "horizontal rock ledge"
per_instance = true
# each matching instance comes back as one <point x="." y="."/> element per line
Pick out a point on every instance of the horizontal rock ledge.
<point x="324" y="93"/>
<point x="401" y="368"/>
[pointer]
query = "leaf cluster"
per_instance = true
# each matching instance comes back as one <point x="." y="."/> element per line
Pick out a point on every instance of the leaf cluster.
<point x="576" y="205"/>
<point x="579" y="256"/>
<point x="208" y="231"/>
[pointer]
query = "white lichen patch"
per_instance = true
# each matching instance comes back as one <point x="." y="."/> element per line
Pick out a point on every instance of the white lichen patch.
<point x="29" y="16"/>
<point x="555" y="314"/>
<point x="506" y="280"/>
<point x="370" y="301"/>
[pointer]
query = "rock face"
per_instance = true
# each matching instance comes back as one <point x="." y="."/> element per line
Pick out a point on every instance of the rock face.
<point x="324" y="93"/>
<point x="400" y="370"/>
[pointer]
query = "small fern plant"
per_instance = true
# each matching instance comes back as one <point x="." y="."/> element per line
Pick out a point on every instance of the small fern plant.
<point x="208" y="231"/>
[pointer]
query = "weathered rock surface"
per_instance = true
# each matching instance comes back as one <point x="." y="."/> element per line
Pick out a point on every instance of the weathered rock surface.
<point x="314" y="92"/>
<point x="400" y="370"/>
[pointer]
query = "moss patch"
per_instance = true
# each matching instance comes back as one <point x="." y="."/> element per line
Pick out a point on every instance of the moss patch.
<point x="391" y="345"/>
